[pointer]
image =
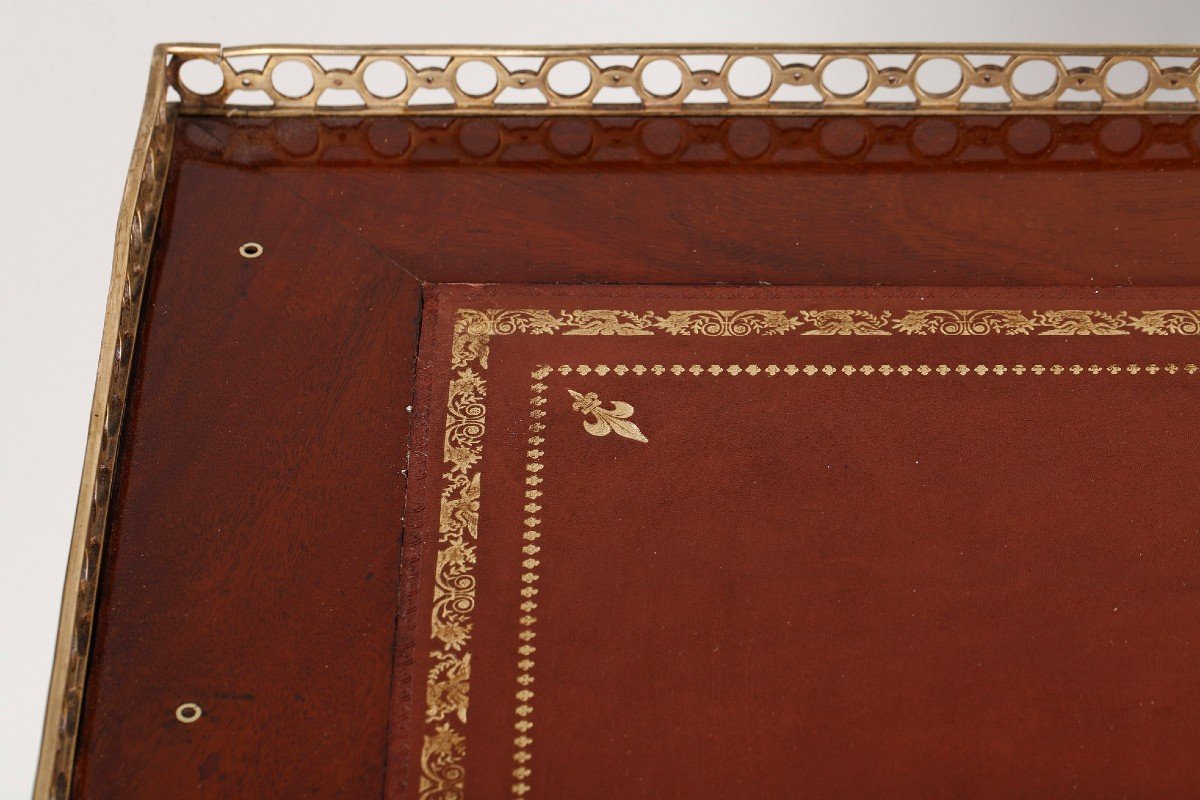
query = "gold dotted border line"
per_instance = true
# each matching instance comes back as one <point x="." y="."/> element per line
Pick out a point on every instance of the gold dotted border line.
<point x="522" y="755"/>
<point x="525" y="634"/>
<point x="811" y="370"/>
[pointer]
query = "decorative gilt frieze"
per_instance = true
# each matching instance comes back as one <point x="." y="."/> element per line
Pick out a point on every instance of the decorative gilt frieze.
<point x="726" y="323"/>
<point x="845" y="323"/>
<point x="1045" y="323"/>
<point x="1167" y="321"/>
<point x="474" y="329"/>
<point x="442" y="772"/>
<point x="606" y="323"/>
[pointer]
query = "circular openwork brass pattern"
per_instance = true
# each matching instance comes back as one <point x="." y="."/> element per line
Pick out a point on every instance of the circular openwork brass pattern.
<point x="187" y="713"/>
<point x="732" y="79"/>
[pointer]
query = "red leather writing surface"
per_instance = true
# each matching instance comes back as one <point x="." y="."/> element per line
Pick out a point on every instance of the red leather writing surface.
<point x="778" y="542"/>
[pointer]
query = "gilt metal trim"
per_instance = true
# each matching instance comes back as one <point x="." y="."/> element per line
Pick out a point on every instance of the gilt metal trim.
<point x="706" y="79"/>
<point x="136" y="226"/>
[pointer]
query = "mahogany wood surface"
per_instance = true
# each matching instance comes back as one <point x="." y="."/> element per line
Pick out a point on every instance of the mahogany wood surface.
<point x="251" y="565"/>
<point x="253" y="558"/>
<point x="925" y="201"/>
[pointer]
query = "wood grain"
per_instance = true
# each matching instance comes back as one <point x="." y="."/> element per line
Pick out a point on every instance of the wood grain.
<point x="253" y="557"/>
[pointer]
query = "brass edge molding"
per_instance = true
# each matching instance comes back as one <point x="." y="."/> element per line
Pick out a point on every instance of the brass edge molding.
<point x="699" y="79"/>
<point x="136" y="225"/>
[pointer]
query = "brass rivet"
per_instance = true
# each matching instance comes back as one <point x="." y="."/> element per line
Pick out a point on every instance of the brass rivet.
<point x="188" y="713"/>
<point x="251" y="250"/>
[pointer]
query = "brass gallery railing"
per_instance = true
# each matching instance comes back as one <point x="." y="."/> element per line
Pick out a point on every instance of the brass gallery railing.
<point x="624" y="80"/>
<point x="681" y="79"/>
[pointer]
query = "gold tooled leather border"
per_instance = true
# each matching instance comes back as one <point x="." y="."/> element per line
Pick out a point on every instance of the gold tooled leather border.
<point x="447" y="686"/>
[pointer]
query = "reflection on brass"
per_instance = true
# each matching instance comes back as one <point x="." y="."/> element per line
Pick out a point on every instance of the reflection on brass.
<point x="692" y="79"/>
<point x="900" y="143"/>
<point x="188" y="713"/>
<point x="251" y="250"/>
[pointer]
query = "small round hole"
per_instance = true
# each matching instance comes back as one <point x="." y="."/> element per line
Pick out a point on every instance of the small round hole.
<point x="476" y="78"/>
<point x="201" y="77"/>
<point x="251" y="250"/>
<point x="662" y="78"/>
<point x="188" y="713"/>
<point x="569" y="78"/>
<point x="749" y="76"/>
<point x="385" y="79"/>
<point x="292" y="79"/>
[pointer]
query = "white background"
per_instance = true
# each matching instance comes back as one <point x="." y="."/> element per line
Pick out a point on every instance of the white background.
<point x="75" y="76"/>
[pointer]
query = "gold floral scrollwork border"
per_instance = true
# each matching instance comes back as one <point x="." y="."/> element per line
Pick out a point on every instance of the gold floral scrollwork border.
<point x="448" y="683"/>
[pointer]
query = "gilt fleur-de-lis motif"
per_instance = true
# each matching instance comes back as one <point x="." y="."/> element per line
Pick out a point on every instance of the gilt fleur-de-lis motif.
<point x="615" y="419"/>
